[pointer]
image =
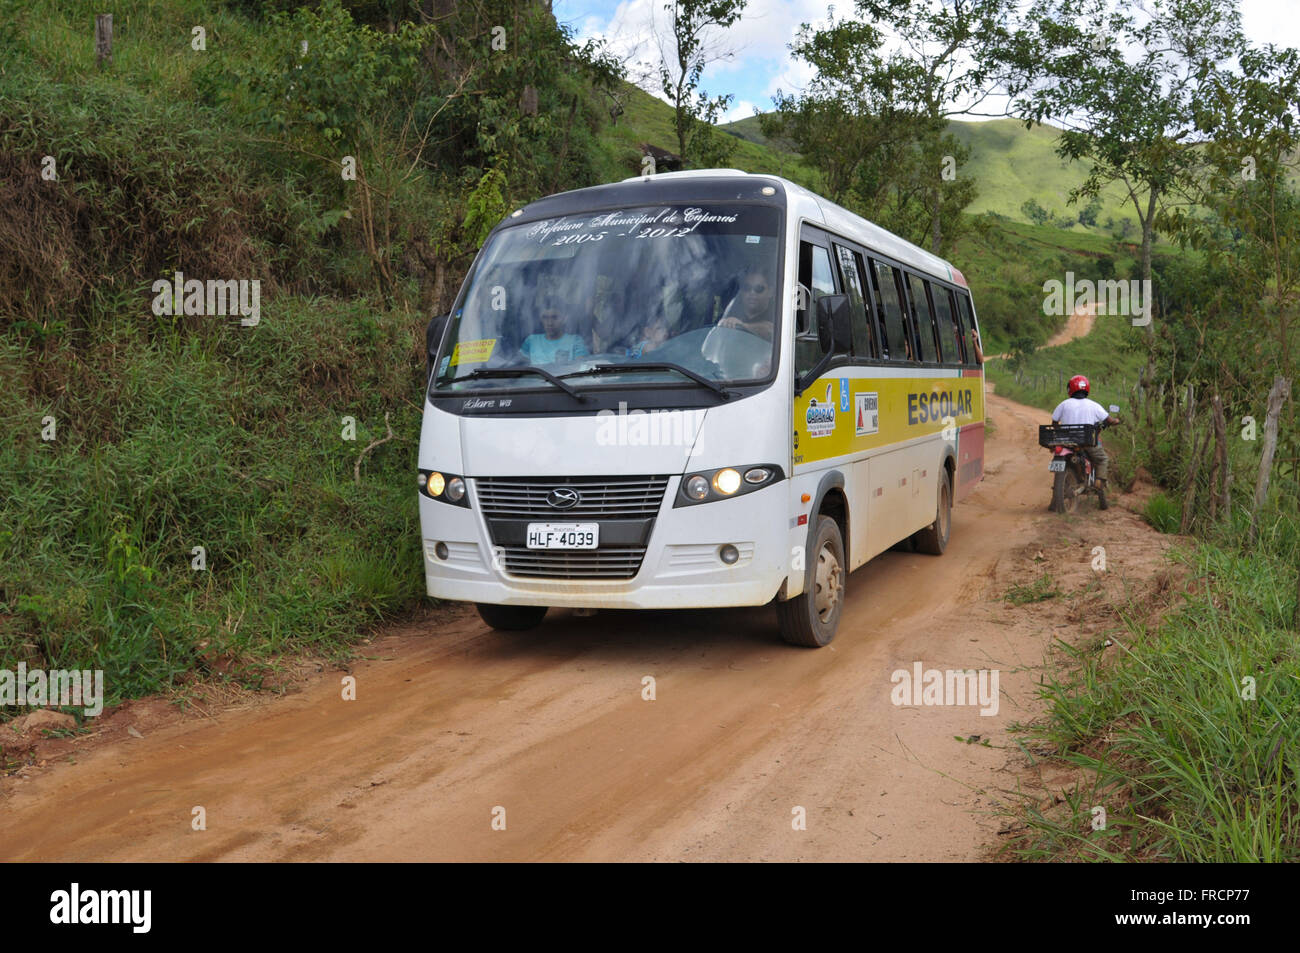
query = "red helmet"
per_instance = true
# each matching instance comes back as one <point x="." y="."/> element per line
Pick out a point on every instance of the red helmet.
<point x="1077" y="383"/>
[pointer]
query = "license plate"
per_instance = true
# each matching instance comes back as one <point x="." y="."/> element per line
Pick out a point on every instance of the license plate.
<point x="1057" y="466"/>
<point x="563" y="535"/>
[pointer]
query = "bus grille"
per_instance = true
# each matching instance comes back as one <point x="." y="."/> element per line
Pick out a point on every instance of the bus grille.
<point x="573" y="564"/>
<point x="599" y="497"/>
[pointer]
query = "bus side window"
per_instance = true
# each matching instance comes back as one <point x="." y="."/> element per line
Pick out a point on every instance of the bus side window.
<point x="889" y="305"/>
<point x="949" y="336"/>
<point x="817" y="275"/>
<point x="864" y="341"/>
<point x="923" y="319"/>
<point x="968" y="332"/>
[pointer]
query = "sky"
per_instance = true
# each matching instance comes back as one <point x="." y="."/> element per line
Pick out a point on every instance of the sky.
<point x="761" y="62"/>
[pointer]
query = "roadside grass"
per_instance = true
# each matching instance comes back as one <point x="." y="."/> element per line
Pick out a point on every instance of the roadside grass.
<point x="1040" y="590"/>
<point x="1163" y="513"/>
<point x="1187" y="737"/>
<point x="235" y="445"/>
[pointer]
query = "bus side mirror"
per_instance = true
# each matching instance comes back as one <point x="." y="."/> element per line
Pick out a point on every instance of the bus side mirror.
<point x="834" y="324"/>
<point x="433" y="336"/>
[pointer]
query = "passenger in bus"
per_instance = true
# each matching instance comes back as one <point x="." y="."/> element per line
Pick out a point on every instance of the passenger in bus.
<point x="753" y="309"/>
<point x="653" y="335"/>
<point x="554" y="345"/>
<point x="607" y="327"/>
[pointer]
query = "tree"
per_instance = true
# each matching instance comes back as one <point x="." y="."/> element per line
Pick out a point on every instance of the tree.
<point x="877" y="152"/>
<point x="1249" y="236"/>
<point x="693" y="46"/>
<point x="1125" y="83"/>
<point x="944" y="66"/>
<point x="1034" y="212"/>
<point x="1088" y="214"/>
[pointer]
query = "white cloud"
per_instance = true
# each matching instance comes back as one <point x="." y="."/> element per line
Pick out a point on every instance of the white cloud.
<point x="743" y="109"/>
<point x="759" y="41"/>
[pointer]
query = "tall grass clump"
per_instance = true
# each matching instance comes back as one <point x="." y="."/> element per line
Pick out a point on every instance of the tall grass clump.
<point x="1188" y="737"/>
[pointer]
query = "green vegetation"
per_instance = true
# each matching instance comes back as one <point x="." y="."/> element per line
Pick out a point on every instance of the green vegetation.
<point x="1185" y="735"/>
<point x="1111" y="357"/>
<point x="1163" y="513"/>
<point x="1040" y="590"/>
<point x="135" y="438"/>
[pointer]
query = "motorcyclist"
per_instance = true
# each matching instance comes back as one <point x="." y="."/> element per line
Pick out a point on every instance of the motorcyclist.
<point x="1079" y="408"/>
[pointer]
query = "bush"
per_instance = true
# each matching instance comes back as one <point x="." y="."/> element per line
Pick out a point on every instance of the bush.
<point x="1164" y="513"/>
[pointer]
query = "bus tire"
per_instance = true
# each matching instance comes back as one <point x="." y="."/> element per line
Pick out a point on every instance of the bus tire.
<point x="934" y="538"/>
<point x="511" y="618"/>
<point x="811" y="618"/>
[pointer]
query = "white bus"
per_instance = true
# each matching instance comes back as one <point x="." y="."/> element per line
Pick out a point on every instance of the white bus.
<point x="696" y="389"/>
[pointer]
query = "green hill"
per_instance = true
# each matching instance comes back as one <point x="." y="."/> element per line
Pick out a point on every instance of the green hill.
<point x="1010" y="164"/>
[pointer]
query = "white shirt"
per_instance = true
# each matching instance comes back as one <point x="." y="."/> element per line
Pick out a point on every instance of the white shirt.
<point x="1074" y="410"/>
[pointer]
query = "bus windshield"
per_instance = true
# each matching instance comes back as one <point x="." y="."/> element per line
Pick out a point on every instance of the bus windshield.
<point x="694" y="286"/>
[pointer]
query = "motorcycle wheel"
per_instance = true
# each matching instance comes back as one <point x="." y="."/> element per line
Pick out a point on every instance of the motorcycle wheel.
<point x="1065" y="495"/>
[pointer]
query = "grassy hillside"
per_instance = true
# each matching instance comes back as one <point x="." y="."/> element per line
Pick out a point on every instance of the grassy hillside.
<point x="648" y="119"/>
<point x="1010" y="164"/>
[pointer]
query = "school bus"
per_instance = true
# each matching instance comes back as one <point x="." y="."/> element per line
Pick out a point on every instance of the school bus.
<point x="696" y="389"/>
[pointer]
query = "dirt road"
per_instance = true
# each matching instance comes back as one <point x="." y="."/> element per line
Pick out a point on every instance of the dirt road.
<point x="452" y="722"/>
<point x="1077" y="325"/>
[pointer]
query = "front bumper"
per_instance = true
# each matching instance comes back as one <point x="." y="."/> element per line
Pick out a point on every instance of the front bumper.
<point x="680" y="570"/>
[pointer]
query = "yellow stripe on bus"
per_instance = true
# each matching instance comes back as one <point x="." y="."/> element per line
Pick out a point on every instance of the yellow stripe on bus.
<point x="879" y="411"/>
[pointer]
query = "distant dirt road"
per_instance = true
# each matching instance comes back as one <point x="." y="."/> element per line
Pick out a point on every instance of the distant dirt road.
<point x="1078" y="324"/>
<point x="453" y="720"/>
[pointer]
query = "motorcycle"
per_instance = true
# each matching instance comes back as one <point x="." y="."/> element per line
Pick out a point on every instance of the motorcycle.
<point x="1071" y="469"/>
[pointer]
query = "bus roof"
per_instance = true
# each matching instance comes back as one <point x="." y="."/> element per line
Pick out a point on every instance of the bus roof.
<point x="835" y="217"/>
<point x="702" y="185"/>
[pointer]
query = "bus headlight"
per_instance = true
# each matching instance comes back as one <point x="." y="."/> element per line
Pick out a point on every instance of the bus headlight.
<point x="726" y="482"/>
<point x="444" y="487"/>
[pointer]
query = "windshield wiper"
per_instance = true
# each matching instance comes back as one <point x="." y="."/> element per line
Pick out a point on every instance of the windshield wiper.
<point x="655" y="366"/>
<point x="488" y="372"/>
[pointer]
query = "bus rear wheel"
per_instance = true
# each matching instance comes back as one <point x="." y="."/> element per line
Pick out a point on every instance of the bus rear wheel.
<point x="934" y="538"/>
<point x="511" y="618"/>
<point x="810" y="618"/>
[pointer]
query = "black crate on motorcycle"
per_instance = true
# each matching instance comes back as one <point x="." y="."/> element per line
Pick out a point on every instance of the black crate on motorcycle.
<point x="1067" y="435"/>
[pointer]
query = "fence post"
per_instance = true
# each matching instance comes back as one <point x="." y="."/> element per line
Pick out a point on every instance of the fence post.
<point x="1220" y="474"/>
<point x="103" y="39"/>
<point x="1280" y="392"/>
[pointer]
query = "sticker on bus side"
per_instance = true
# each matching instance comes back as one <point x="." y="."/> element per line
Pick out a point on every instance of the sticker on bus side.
<point x="867" y="419"/>
<point x="473" y="352"/>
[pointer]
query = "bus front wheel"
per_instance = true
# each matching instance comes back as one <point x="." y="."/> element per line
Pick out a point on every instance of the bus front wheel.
<point x="810" y="618"/>
<point x="511" y="618"/>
